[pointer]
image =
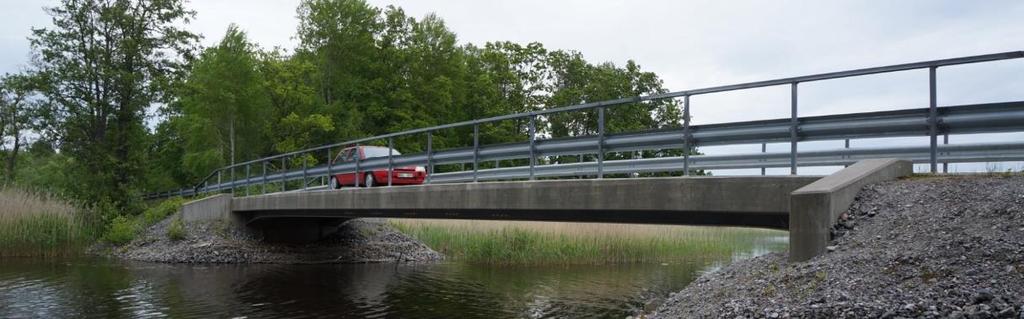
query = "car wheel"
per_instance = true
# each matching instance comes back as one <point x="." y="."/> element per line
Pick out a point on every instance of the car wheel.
<point x="334" y="183"/>
<point x="369" y="181"/>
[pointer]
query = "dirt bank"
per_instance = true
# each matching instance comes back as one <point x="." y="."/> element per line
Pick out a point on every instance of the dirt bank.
<point x="940" y="247"/>
<point x="357" y="241"/>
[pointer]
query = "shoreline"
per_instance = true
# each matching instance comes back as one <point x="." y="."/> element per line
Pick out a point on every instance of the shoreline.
<point x="356" y="241"/>
<point x="932" y="247"/>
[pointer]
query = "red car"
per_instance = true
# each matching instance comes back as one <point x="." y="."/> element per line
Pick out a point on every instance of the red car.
<point x="405" y="175"/>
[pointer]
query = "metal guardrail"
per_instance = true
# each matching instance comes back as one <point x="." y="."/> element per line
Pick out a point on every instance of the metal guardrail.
<point x="932" y="122"/>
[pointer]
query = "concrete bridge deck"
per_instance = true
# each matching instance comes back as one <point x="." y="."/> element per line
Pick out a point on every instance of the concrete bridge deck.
<point x="718" y="201"/>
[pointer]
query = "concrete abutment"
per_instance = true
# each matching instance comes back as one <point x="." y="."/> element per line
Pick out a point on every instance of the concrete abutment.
<point x="815" y="208"/>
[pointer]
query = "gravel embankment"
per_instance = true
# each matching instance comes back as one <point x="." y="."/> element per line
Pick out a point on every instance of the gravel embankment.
<point x="939" y="247"/>
<point x="357" y="241"/>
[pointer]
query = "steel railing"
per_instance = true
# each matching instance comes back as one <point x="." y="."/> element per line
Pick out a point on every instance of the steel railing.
<point x="932" y="122"/>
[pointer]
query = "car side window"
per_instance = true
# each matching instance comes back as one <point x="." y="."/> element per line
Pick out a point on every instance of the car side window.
<point x="343" y="156"/>
<point x="350" y="155"/>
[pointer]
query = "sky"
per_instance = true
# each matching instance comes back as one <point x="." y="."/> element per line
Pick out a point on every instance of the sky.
<point x="694" y="44"/>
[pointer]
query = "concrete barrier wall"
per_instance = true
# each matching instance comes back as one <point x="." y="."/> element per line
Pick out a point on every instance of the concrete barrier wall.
<point x="815" y="208"/>
<point x="736" y="201"/>
<point x="213" y="208"/>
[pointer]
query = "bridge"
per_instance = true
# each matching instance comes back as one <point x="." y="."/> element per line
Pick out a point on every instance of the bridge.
<point x="280" y="200"/>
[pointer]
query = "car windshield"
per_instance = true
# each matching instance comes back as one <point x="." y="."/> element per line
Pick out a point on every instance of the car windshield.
<point x="371" y="152"/>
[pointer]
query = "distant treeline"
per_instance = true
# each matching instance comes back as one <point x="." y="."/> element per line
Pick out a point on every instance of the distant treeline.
<point x="119" y="98"/>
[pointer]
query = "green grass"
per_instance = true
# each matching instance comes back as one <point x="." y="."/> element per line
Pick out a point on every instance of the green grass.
<point x="569" y="243"/>
<point x="39" y="225"/>
<point x="121" y="231"/>
<point x="124" y="229"/>
<point x="157" y="213"/>
<point x="176" y="231"/>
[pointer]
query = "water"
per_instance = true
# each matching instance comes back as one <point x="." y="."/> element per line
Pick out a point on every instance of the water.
<point x="92" y="287"/>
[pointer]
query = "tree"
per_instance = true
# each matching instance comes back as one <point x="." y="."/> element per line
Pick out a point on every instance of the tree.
<point x="340" y="38"/>
<point x="18" y="113"/>
<point x="298" y="118"/>
<point x="104" y="62"/>
<point x="225" y="108"/>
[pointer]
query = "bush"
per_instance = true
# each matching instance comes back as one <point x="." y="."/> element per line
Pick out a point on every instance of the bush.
<point x="176" y="231"/>
<point x="122" y="230"/>
<point x="157" y="213"/>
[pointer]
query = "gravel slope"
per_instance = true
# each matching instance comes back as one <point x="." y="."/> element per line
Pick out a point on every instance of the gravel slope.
<point x="937" y="247"/>
<point x="357" y="241"/>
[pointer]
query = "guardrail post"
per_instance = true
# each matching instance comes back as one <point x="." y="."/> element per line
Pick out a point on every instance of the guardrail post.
<point x="232" y="179"/>
<point x="600" y="142"/>
<point x="846" y="145"/>
<point x="330" y="164"/>
<point x="359" y="161"/>
<point x="533" y="149"/>
<point x="933" y="124"/>
<point x="391" y="160"/>
<point x="284" y="170"/>
<point x="476" y="151"/>
<point x="206" y="187"/>
<point x="248" y="169"/>
<point x="686" y="135"/>
<point x="764" y="148"/>
<point x="264" y="188"/>
<point x="794" y="121"/>
<point x="305" y="175"/>
<point x="430" y="155"/>
<point x="945" y="141"/>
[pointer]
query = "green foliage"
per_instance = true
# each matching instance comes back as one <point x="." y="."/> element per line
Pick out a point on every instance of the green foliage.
<point x="224" y="106"/>
<point x="102" y="64"/>
<point x="295" y="133"/>
<point x="159" y="212"/>
<point x="121" y="230"/>
<point x="43" y="169"/>
<point x="19" y="112"/>
<point x="176" y="230"/>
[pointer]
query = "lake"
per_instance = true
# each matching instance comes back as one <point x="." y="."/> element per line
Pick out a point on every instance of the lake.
<point x="97" y="287"/>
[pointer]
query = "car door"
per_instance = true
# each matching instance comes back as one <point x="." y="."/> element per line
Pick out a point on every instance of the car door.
<point x="347" y="177"/>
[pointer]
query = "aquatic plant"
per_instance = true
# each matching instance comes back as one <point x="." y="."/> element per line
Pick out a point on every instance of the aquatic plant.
<point x="38" y="224"/>
<point x="495" y="242"/>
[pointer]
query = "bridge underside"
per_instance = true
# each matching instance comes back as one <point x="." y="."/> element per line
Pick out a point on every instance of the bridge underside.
<point x="718" y="201"/>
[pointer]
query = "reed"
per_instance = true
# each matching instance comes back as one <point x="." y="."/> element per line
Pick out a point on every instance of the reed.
<point x="37" y="224"/>
<point x="498" y="242"/>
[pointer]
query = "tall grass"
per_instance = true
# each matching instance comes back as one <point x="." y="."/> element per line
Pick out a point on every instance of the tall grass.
<point x="37" y="224"/>
<point x="497" y="242"/>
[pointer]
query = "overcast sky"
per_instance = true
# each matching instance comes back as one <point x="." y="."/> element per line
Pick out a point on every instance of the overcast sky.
<point x="692" y="44"/>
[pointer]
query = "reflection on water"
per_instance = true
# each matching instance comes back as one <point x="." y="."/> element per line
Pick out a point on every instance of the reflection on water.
<point x="103" y="288"/>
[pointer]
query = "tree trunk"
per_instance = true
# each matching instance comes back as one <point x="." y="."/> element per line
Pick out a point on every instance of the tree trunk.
<point x="231" y="139"/>
<point x="13" y="158"/>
